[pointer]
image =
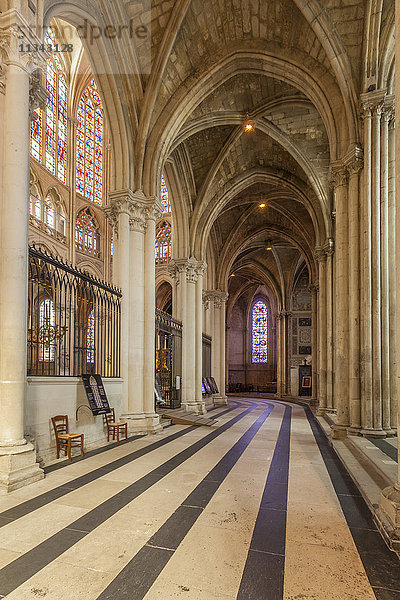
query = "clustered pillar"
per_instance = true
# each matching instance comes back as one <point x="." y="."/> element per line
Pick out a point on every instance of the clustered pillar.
<point x="378" y="330"/>
<point x="188" y="274"/>
<point x="389" y="508"/>
<point x="283" y="347"/>
<point x="133" y="217"/>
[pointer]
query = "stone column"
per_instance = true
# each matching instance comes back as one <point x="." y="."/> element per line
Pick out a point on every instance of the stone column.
<point x="392" y="274"/>
<point x="372" y="105"/>
<point x="340" y="182"/>
<point x="220" y="299"/>
<point x="283" y="330"/>
<point x="153" y="211"/>
<point x="329" y="326"/>
<point x="216" y="342"/>
<point x="385" y="294"/>
<point x="389" y="508"/>
<point x="201" y="268"/>
<point x="117" y="212"/>
<point x="134" y="412"/>
<point x="354" y="166"/>
<point x="320" y="255"/>
<point x="188" y="273"/>
<point x="18" y="465"/>
<point x="314" y="348"/>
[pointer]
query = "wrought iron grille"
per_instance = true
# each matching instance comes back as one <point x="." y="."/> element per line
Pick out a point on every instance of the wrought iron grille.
<point x="168" y="356"/>
<point x="74" y="320"/>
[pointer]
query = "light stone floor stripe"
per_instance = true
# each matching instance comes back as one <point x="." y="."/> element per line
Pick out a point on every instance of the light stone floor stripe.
<point x="208" y="564"/>
<point x="71" y="472"/>
<point x="321" y="562"/>
<point x="99" y="557"/>
<point x="321" y="558"/>
<point x="22" y="535"/>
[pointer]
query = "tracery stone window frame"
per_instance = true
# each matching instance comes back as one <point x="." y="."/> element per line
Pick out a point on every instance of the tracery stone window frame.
<point x="47" y="214"/>
<point x="163" y="242"/>
<point x="89" y="240"/>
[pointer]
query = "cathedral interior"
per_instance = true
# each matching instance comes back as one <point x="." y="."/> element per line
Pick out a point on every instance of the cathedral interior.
<point x="199" y="236"/>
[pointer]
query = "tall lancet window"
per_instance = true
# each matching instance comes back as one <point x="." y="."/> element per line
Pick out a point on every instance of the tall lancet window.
<point x="49" y="129"/>
<point x="166" y="205"/>
<point x="163" y="243"/>
<point x="89" y="145"/>
<point x="259" y="333"/>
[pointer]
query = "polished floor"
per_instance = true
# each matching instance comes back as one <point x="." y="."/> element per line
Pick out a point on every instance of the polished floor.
<point x="257" y="507"/>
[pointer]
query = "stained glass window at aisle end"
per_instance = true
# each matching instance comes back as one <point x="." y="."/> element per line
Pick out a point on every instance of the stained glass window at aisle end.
<point x="259" y="332"/>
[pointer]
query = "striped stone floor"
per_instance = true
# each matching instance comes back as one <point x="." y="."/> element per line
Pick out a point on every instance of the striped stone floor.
<point x="257" y="507"/>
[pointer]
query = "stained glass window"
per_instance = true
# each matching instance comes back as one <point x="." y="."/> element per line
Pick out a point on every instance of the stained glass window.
<point x="49" y="129"/>
<point x="89" y="148"/>
<point x="47" y="321"/>
<point x="259" y="333"/>
<point x="90" y="338"/>
<point x="163" y="243"/>
<point x="166" y="205"/>
<point x="87" y="237"/>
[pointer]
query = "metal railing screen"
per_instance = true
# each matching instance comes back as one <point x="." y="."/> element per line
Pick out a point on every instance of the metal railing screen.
<point x="74" y="320"/>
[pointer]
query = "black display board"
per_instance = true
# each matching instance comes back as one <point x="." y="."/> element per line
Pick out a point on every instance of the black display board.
<point x="213" y="385"/>
<point x="207" y="387"/>
<point x="96" y="394"/>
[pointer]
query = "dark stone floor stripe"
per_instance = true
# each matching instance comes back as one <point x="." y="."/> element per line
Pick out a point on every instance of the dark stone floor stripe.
<point x="20" y="510"/>
<point x="387" y="448"/>
<point x="147" y="564"/>
<point x="263" y="574"/>
<point x="21" y="569"/>
<point x="381" y="564"/>
<point x="89" y="453"/>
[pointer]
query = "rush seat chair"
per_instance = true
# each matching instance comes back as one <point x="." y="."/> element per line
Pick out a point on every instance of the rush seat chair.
<point x="114" y="427"/>
<point x="64" y="439"/>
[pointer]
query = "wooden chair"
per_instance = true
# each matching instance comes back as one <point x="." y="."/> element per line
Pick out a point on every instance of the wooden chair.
<point x="113" y="427"/>
<point x="64" y="439"/>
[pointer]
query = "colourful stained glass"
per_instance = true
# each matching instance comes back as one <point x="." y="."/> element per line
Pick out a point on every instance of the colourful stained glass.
<point x="89" y="149"/>
<point x="49" y="130"/>
<point x="86" y="233"/>
<point x="47" y="320"/>
<point x="37" y="135"/>
<point x="90" y="339"/>
<point x="166" y="205"/>
<point x="259" y="333"/>
<point x="163" y="243"/>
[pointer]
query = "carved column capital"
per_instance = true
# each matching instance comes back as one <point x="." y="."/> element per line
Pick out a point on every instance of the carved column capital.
<point x="350" y="164"/>
<point x="320" y="254"/>
<point x="372" y="103"/>
<point x="219" y="298"/>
